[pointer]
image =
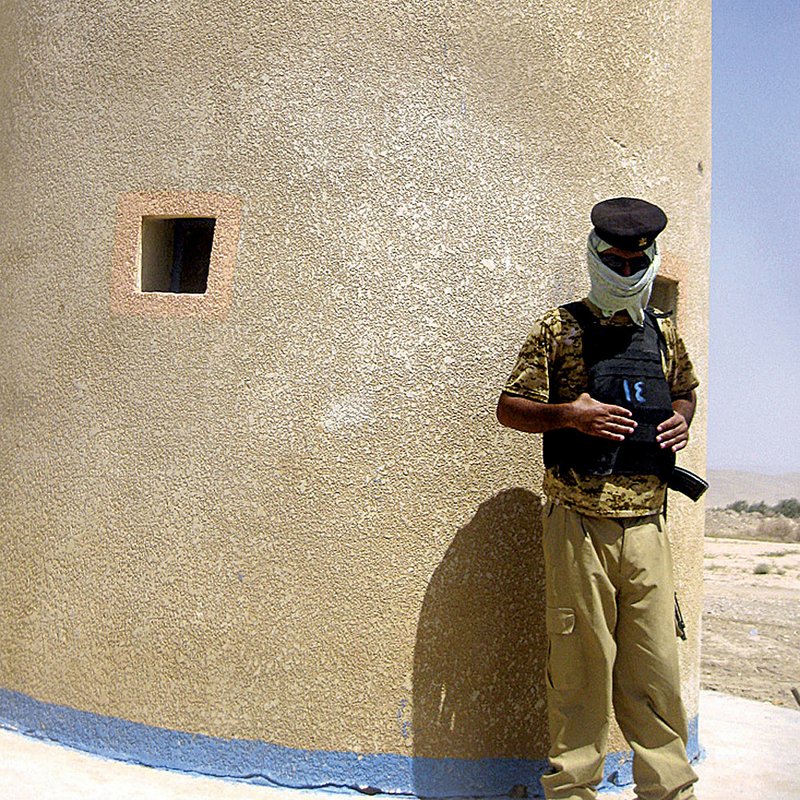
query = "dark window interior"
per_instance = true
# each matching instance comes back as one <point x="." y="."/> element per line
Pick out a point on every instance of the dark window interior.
<point x="176" y="252"/>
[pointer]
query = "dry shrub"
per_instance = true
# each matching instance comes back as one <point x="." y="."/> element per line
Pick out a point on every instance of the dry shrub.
<point x="779" y="529"/>
<point x="753" y="526"/>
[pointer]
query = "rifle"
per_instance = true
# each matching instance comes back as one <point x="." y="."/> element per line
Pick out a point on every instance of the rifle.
<point x="686" y="482"/>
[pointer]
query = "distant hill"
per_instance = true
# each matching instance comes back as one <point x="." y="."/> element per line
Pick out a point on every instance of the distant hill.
<point x="728" y="486"/>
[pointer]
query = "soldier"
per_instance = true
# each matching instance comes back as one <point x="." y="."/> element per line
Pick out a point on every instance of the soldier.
<point x="608" y="382"/>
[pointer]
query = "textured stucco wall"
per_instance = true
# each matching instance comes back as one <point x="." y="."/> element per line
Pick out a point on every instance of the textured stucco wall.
<point x="299" y="522"/>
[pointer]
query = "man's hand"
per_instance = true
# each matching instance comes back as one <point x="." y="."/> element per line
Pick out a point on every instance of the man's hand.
<point x="600" y="419"/>
<point x="673" y="433"/>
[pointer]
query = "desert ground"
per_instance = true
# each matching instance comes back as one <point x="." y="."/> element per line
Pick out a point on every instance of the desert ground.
<point x="751" y="614"/>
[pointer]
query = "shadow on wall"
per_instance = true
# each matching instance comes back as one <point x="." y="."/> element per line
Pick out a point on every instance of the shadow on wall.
<point x="481" y="646"/>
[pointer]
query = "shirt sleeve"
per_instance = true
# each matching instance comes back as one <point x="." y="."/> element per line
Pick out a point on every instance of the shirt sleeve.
<point x="530" y="377"/>
<point x="681" y="375"/>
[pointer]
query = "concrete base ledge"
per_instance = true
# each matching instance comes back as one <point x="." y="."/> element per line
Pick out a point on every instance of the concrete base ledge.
<point x="747" y="743"/>
<point x="267" y="764"/>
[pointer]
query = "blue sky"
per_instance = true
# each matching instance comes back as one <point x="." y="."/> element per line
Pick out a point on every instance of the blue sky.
<point x="754" y="349"/>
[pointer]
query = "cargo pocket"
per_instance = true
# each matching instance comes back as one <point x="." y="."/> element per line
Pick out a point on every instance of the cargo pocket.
<point x="563" y="659"/>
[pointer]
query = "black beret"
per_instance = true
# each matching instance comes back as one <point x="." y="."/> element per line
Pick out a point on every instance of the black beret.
<point x="628" y="223"/>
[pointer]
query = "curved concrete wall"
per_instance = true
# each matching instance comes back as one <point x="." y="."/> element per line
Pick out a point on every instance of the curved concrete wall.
<point x="286" y="514"/>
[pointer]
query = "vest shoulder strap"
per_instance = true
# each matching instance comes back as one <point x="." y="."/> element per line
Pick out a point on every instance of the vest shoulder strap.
<point x="586" y="320"/>
<point x="581" y="313"/>
<point x="654" y="316"/>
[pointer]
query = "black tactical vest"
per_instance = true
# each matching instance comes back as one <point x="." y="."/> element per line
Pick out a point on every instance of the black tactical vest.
<point x="623" y="364"/>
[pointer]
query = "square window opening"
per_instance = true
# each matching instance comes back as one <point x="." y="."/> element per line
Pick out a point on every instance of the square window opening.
<point x="176" y="254"/>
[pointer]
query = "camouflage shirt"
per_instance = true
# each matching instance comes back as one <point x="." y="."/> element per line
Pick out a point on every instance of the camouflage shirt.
<point x="552" y="358"/>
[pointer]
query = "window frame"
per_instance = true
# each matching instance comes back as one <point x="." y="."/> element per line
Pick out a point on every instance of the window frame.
<point x="126" y="295"/>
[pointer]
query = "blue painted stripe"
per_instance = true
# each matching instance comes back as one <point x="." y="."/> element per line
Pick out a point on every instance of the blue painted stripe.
<point x="271" y="764"/>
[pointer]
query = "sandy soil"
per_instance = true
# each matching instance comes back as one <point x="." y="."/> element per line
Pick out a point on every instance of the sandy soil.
<point x="751" y="619"/>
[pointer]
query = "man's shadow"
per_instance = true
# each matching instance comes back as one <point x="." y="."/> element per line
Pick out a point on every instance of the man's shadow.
<point x="480" y="655"/>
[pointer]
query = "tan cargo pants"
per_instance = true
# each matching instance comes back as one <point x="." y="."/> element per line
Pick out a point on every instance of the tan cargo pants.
<point x="611" y="631"/>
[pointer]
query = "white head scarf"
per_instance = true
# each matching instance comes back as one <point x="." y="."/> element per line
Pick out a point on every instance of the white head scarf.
<point x="611" y="292"/>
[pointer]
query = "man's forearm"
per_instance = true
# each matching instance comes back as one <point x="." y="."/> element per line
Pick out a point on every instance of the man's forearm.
<point x="584" y="414"/>
<point x="532" y="417"/>
<point x="686" y="406"/>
